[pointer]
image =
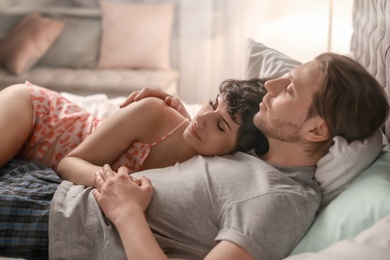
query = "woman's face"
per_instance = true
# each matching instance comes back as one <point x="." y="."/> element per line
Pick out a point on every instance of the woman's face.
<point x="212" y="131"/>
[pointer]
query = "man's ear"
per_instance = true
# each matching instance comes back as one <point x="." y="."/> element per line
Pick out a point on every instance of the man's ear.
<point x="316" y="130"/>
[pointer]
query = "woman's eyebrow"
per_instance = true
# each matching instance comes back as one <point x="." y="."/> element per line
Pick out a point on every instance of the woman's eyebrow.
<point x="223" y="119"/>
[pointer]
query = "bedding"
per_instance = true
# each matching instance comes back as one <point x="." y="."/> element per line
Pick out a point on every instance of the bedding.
<point x="38" y="190"/>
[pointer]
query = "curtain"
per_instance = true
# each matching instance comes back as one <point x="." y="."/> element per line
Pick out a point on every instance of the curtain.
<point x="207" y="40"/>
<point x="208" y="43"/>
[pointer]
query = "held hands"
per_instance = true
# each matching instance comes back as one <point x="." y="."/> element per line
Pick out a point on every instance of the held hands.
<point x="120" y="195"/>
<point x="173" y="102"/>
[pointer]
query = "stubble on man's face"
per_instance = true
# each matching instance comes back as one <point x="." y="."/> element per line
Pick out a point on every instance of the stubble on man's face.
<point x="278" y="129"/>
<point x="283" y="112"/>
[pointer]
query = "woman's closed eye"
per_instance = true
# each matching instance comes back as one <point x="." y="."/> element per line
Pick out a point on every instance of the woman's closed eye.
<point x="219" y="125"/>
<point x="219" y="122"/>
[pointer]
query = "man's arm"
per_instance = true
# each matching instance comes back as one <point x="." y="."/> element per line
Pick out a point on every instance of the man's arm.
<point x="228" y="251"/>
<point x="124" y="202"/>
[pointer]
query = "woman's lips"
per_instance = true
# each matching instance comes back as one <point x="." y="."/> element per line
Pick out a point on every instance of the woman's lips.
<point x="193" y="131"/>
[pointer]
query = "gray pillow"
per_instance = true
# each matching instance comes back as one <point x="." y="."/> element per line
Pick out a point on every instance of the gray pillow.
<point x="78" y="44"/>
<point x="261" y="61"/>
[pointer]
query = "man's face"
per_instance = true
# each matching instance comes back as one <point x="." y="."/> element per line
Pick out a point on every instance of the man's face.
<point x="283" y="111"/>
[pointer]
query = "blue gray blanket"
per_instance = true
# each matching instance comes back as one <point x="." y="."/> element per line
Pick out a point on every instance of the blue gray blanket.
<point x="26" y="191"/>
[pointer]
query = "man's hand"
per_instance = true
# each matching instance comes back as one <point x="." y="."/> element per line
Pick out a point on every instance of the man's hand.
<point x="120" y="195"/>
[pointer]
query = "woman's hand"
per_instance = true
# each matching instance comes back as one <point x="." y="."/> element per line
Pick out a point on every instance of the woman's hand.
<point x="176" y="104"/>
<point x="173" y="102"/>
<point x="121" y="196"/>
<point x="143" y="93"/>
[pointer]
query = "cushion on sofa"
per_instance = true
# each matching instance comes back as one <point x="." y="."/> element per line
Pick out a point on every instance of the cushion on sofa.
<point x="135" y="35"/>
<point x="112" y="82"/>
<point x="78" y="44"/>
<point x="26" y="43"/>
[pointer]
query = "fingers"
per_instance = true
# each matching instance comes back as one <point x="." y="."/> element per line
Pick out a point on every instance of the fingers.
<point x="108" y="172"/>
<point x="137" y="95"/>
<point x="146" y="185"/>
<point x="145" y="92"/>
<point x="105" y="174"/>
<point x="135" y="180"/>
<point x="145" y="182"/>
<point x="172" y="102"/>
<point x="123" y="170"/>
<point x="130" y="99"/>
<point x="99" y="180"/>
<point x="108" y="175"/>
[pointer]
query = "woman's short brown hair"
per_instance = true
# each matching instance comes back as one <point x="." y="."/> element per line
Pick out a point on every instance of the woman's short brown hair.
<point x="243" y="98"/>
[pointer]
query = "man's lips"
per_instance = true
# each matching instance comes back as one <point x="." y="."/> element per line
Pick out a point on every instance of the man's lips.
<point x="265" y="103"/>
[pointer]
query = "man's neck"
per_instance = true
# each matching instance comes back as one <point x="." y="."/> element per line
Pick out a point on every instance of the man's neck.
<point x="289" y="154"/>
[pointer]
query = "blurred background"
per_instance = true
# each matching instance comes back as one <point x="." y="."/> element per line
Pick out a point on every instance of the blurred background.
<point x="208" y="36"/>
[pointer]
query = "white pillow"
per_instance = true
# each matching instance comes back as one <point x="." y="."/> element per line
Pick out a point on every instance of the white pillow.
<point x="344" y="162"/>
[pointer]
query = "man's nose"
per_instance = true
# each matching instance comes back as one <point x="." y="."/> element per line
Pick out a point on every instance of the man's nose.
<point x="275" y="86"/>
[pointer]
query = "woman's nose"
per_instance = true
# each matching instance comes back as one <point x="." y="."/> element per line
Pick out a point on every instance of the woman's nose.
<point x="201" y="120"/>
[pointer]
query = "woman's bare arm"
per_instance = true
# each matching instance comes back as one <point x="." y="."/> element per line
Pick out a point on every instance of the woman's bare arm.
<point x="108" y="142"/>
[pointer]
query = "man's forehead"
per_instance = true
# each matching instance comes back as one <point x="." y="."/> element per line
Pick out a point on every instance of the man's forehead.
<point x="308" y="72"/>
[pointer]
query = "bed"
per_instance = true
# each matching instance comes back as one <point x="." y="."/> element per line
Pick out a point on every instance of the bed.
<point x="354" y="220"/>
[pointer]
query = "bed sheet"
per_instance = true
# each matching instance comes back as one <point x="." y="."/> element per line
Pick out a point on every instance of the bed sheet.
<point x="102" y="106"/>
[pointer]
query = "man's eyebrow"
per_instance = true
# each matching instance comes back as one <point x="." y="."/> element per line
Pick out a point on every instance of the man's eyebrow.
<point x="291" y="77"/>
<point x="292" y="82"/>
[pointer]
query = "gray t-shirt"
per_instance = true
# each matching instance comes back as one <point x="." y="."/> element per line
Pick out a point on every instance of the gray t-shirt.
<point x="264" y="209"/>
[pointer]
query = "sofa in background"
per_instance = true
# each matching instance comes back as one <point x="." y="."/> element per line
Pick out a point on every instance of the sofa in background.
<point x="112" y="49"/>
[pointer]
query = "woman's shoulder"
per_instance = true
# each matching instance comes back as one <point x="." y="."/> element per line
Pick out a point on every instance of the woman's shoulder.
<point x="158" y="108"/>
<point x="152" y="114"/>
<point x="151" y="103"/>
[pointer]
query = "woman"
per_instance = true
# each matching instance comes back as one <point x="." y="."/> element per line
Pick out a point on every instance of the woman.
<point x="146" y="134"/>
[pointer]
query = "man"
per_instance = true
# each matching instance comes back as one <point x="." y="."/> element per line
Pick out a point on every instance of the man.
<point x="232" y="207"/>
<point x="300" y="115"/>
